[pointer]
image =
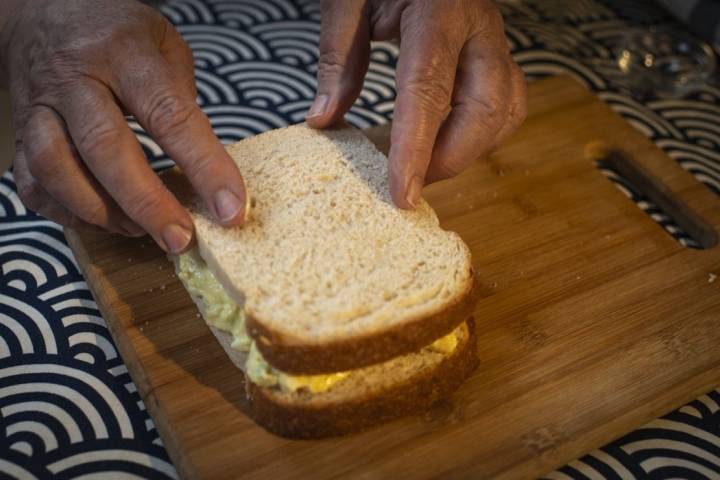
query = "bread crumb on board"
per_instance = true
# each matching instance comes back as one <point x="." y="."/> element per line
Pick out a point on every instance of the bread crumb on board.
<point x="712" y="277"/>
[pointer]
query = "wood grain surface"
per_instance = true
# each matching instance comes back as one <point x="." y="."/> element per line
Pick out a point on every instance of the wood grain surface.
<point x="593" y="320"/>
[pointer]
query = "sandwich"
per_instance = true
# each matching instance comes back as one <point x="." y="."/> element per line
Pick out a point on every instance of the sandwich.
<point x="342" y="310"/>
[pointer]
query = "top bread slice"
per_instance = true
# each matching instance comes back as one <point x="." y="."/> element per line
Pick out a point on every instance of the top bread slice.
<point x="333" y="276"/>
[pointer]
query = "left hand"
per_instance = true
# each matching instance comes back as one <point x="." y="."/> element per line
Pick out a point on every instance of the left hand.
<point x="72" y="67"/>
<point x="454" y="56"/>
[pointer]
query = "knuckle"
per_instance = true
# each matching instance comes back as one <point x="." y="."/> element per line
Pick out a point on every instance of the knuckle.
<point x="331" y="63"/>
<point x="145" y="205"/>
<point x="41" y="162"/>
<point x="203" y="168"/>
<point x="97" y="137"/>
<point x="168" y="114"/>
<point x="61" y="64"/>
<point x="111" y="36"/>
<point x="487" y="110"/>
<point x="447" y="49"/>
<point x="52" y="78"/>
<point x="430" y="92"/>
<point x="30" y="193"/>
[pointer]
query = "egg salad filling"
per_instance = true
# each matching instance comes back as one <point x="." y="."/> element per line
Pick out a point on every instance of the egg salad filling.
<point x="222" y="312"/>
<point x="218" y="309"/>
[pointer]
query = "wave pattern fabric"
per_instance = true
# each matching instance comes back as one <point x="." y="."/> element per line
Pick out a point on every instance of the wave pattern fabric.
<point x="67" y="405"/>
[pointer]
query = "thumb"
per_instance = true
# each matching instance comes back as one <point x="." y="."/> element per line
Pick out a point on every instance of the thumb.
<point x="344" y="58"/>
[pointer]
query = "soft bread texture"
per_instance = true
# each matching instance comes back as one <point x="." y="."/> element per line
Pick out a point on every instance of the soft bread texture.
<point x="402" y="386"/>
<point x="331" y="274"/>
<point x="368" y="396"/>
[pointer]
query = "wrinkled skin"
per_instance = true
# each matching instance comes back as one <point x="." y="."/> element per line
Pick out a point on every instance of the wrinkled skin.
<point x="453" y="56"/>
<point x="74" y="68"/>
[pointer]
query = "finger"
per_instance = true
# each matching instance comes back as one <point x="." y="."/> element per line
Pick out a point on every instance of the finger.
<point x="479" y="111"/>
<point x="29" y="190"/>
<point x="113" y="155"/>
<point x="343" y="62"/>
<point x="178" y="55"/>
<point x="385" y="19"/>
<point x="37" y="199"/>
<point x="518" y="105"/>
<point x="164" y="105"/>
<point x="54" y="164"/>
<point x="424" y="77"/>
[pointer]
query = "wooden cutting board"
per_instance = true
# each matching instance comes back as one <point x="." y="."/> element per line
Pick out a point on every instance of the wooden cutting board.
<point x="593" y="322"/>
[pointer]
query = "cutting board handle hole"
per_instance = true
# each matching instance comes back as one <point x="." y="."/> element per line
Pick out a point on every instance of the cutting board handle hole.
<point x="656" y="200"/>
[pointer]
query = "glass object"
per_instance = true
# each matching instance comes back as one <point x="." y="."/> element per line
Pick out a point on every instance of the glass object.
<point x="664" y="61"/>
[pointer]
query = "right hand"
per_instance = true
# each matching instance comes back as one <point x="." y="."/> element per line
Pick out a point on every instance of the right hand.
<point x="459" y="91"/>
<point x="73" y="67"/>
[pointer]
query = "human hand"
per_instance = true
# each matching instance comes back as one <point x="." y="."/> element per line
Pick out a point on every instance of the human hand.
<point x="453" y="56"/>
<point x="73" y="67"/>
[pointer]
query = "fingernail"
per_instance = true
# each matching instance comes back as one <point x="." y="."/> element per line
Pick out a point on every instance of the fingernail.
<point x="227" y="205"/>
<point x="318" y="107"/>
<point x="176" y="238"/>
<point x="414" y="190"/>
<point x="131" y="228"/>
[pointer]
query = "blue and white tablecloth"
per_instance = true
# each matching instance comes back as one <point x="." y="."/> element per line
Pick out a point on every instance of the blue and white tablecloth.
<point x="67" y="405"/>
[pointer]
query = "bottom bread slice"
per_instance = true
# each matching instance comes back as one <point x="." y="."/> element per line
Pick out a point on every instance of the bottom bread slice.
<point x="371" y="395"/>
<point x="364" y="397"/>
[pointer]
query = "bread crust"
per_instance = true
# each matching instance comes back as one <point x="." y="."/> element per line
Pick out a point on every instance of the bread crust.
<point x="351" y="353"/>
<point x="297" y="356"/>
<point x="286" y="418"/>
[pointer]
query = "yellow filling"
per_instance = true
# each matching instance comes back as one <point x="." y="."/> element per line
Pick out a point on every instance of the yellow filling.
<point x="261" y="373"/>
<point x="445" y="344"/>
<point x="221" y="311"/>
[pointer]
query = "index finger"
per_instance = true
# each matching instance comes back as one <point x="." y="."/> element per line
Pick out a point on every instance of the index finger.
<point x="111" y="152"/>
<point x="163" y="102"/>
<point x="424" y="77"/>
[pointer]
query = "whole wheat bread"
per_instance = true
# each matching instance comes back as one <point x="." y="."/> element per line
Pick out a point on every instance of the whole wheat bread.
<point x="367" y="396"/>
<point x="402" y="386"/>
<point x="331" y="274"/>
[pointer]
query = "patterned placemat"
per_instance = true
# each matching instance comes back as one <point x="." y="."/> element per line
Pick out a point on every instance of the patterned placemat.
<point x="67" y="405"/>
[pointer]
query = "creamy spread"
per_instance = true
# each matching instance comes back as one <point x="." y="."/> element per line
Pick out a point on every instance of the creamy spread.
<point x="222" y="312"/>
<point x="258" y="370"/>
<point x="218" y="309"/>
